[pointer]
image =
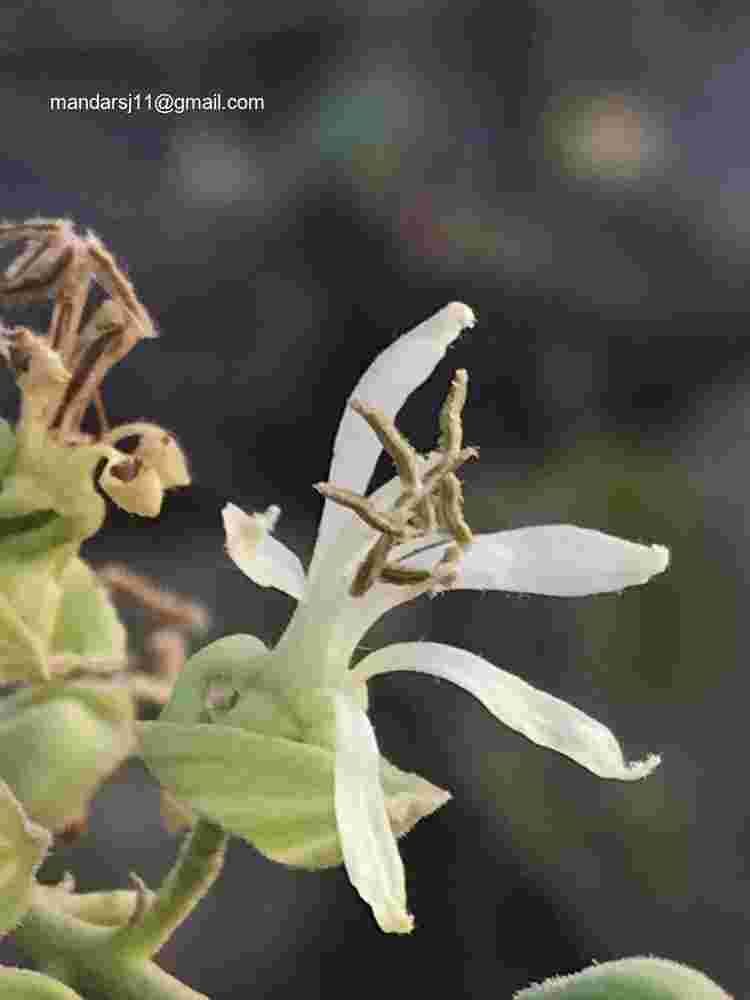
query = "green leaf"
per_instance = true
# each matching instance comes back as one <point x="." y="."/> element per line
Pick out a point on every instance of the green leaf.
<point x="23" y="846"/>
<point x="59" y="742"/>
<point x="275" y="793"/>
<point x="87" y="623"/>
<point x="232" y="661"/>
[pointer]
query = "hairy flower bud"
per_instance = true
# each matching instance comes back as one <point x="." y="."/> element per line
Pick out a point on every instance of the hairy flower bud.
<point x="629" y="979"/>
<point x="59" y="742"/>
<point x="23" y="846"/>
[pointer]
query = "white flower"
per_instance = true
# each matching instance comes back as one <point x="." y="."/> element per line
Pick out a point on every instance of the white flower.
<point x="372" y="554"/>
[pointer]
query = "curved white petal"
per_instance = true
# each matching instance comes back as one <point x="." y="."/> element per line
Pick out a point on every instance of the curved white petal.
<point x="387" y="384"/>
<point x="371" y="856"/>
<point x="560" y="560"/>
<point x="267" y="562"/>
<point x="538" y="716"/>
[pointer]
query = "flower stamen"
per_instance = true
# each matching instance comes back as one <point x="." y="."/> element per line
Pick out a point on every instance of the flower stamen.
<point x="430" y="501"/>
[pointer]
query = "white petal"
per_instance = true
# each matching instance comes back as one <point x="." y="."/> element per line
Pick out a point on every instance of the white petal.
<point x="370" y="853"/>
<point x="387" y="384"/>
<point x="538" y="716"/>
<point x="560" y="560"/>
<point x="258" y="554"/>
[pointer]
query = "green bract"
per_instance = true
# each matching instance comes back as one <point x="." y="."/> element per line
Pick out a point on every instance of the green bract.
<point x="629" y="979"/>
<point x="23" y="846"/>
<point x="59" y="742"/>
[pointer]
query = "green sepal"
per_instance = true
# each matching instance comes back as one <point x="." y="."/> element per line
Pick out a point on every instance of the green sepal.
<point x="87" y="622"/>
<point x="23" y="984"/>
<point x="276" y="793"/>
<point x="58" y="742"/>
<point x="23" y="847"/>
<point x="232" y="661"/>
<point x="30" y="595"/>
<point x="629" y="979"/>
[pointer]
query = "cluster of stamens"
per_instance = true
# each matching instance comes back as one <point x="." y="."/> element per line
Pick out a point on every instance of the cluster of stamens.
<point x="430" y="503"/>
<point x="57" y="263"/>
<point x="60" y="372"/>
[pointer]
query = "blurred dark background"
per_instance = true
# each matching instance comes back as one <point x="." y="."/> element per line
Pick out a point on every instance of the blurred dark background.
<point x="579" y="174"/>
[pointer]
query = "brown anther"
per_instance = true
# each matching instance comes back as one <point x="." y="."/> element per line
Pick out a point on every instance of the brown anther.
<point x="30" y="281"/>
<point x="115" y="282"/>
<point x="371" y="568"/>
<point x="57" y="262"/>
<point x="112" y="346"/>
<point x="389" y="524"/>
<point x="451" y="495"/>
<point x="395" y="444"/>
<point x="402" y="576"/>
<point x="430" y="501"/>
<point x="451" y="428"/>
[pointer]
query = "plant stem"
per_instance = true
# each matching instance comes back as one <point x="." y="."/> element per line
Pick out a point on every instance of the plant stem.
<point x="194" y="872"/>
<point x="81" y="955"/>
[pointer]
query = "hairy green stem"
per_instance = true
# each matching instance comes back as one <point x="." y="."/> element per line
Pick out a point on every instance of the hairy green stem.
<point x="81" y="955"/>
<point x="113" y="963"/>
<point x="196" y="869"/>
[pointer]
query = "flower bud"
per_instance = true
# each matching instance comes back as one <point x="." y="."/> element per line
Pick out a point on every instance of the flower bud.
<point x="23" y="984"/>
<point x="59" y="742"/>
<point x="629" y="979"/>
<point x="23" y="846"/>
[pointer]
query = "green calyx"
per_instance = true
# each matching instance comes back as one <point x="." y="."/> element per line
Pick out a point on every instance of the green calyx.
<point x="258" y="763"/>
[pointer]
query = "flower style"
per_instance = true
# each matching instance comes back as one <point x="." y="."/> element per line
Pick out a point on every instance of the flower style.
<point x="276" y="745"/>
